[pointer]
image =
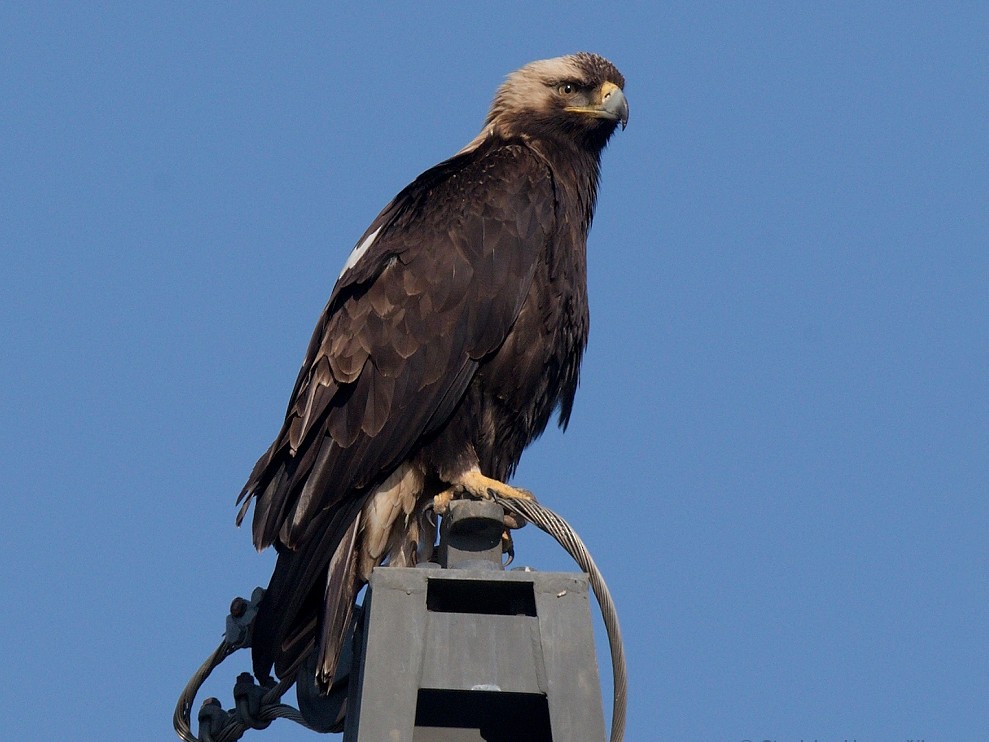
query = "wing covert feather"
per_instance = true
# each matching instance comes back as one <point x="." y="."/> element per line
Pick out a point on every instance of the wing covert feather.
<point x="434" y="292"/>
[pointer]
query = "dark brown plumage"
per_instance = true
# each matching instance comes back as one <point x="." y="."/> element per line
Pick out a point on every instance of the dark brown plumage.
<point x="455" y="330"/>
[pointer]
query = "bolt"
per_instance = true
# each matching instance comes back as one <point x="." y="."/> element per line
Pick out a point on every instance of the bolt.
<point x="238" y="607"/>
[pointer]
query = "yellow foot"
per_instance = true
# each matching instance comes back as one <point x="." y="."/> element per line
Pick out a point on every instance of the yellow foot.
<point x="475" y="484"/>
<point x="441" y="502"/>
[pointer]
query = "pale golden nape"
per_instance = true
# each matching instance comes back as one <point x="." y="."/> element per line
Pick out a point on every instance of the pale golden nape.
<point x="530" y="91"/>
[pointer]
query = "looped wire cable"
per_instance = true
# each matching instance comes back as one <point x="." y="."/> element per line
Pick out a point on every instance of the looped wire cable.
<point x="234" y="728"/>
<point x="183" y="709"/>
<point x="548" y="521"/>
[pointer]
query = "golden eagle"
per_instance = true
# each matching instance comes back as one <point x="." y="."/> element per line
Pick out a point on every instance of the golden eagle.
<point x="453" y="333"/>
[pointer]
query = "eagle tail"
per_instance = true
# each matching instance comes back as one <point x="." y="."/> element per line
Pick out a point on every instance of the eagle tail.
<point x="311" y="594"/>
<point x="342" y="584"/>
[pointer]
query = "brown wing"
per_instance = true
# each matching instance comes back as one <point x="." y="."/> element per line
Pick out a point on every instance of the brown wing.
<point x="436" y="290"/>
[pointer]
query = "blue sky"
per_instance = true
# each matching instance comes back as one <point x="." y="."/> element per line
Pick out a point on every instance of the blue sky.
<point x="779" y="453"/>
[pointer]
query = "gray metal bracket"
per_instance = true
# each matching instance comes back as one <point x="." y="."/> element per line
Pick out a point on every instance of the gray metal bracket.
<point x="458" y="655"/>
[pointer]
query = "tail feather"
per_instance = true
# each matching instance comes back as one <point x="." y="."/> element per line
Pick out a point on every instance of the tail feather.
<point x="310" y="599"/>
<point x="338" y="606"/>
<point x="285" y="628"/>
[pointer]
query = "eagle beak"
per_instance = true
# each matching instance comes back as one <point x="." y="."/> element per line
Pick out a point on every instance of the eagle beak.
<point x="611" y="105"/>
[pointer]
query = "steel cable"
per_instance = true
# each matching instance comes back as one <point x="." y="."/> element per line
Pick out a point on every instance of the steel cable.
<point x="183" y="709"/>
<point x="548" y="521"/>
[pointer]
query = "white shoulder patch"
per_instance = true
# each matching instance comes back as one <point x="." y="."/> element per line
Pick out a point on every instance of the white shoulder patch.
<point x="358" y="252"/>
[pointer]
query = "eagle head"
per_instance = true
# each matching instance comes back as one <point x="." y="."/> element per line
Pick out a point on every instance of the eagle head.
<point x="575" y="99"/>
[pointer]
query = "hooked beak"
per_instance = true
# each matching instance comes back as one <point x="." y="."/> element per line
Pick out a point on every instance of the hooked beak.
<point x="611" y="105"/>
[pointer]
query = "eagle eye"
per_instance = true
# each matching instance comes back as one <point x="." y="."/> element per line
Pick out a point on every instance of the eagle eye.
<point x="567" y="88"/>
